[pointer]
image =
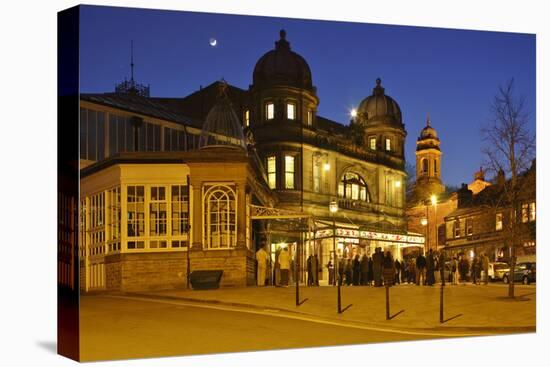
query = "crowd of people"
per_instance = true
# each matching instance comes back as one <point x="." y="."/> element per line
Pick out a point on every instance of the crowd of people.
<point x="381" y="269"/>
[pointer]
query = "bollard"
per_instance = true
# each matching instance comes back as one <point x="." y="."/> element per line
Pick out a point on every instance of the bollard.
<point x="387" y="302"/>
<point x="339" y="299"/>
<point x="441" y="304"/>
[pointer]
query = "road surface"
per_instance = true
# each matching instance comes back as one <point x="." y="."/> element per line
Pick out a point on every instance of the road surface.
<point x="124" y="328"/>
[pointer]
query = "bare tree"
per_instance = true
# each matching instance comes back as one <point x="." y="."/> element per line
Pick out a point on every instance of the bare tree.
<point x="509" y="149"/>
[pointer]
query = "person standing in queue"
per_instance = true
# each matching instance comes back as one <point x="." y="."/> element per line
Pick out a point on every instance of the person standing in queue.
<point x="262" y="258"/>
<point x="284" y="266"/>
<point x="420" y="270"/>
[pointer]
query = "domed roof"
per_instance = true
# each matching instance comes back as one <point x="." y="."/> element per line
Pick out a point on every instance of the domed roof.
<point x="428" y="132"/>
<point x="379" y="106"/>
<point x="282" y="66"/>
<point x="222" y="128"/>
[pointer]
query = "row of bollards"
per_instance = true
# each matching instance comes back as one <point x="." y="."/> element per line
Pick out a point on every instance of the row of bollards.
<point x="388" y="314"/>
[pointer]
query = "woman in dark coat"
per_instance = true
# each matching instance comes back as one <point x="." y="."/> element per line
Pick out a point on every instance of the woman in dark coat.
<point x="370" y="275"/>
<point x="349" y="272"/>
<point x="356" y="270"/>
<point x="364" y="270"/>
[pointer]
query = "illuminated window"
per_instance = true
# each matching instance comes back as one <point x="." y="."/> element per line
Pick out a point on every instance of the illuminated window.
<point x="309" y="118"/>
<point x="220" y="218"/>
<point x="136" y="211"/>
<point x="97" y="224"/>
<point x="316" y="174"/>
<point x="180" y="209"/>
<point x="469" y="227"/>
<point x="352" y="186"/>
<point x="498" y="219"/>
<point x="372" y="143"/>
<point x="291" y="111"/>
<point x="532" y="212"/>
<point x="289" y="172"/>
<point x="114" y="219"/>
<point x="270" y="111"/>
<point x="390" y="192"/>
<point x="247" y="118"/>
<point x="272" y="172"/>
<point x="456" y="228"/>
<point x="524" y="213"/>
<point x="157" y="211"/>
<point x="388" y="144"/>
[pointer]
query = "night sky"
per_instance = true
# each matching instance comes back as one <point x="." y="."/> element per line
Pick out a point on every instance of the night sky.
<point x="450" y="74"/>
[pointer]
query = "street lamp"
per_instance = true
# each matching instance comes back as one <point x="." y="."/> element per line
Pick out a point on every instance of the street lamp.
<point x="333" y="208"/>
<point x="433" y="199"/>
<point x="424" y="222"/>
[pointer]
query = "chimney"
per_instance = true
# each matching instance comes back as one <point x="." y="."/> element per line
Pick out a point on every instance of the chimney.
<point x="479" y="175"/>
<point x="464" y="196"/>
<point x="501" y="178"/>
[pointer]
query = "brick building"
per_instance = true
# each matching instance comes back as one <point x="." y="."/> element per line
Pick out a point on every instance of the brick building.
<point x="481" y="221"/>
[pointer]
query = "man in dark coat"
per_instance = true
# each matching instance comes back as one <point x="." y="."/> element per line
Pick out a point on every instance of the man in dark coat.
<point x="430" y="268"/>
<point x="420" y="270"/>
<point x="397" y="266"/>
<point x="442" y="266"/>
<point x="309" y="273"/>
<point x="377" y="266"/>
<point x="356" y="270"/>
<point x="349" y="272"/>
<point x="341" y="270"/>
<point x="315" y="269"/>
<point x="371" y="274"/>
<point x="364" y="269"/>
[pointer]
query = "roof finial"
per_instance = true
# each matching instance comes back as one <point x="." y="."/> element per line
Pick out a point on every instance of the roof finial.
<point x="282" y="33"/>
<point x="132" y="60"/>
<point x="378" y="82"/>
<point x="222" y="89"/>
<point x="428" y="120"/>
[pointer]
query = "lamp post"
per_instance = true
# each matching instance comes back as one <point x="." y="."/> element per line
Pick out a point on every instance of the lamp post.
<point x="333" y="208"/>
<point x="424" y="222"/>
<point x="433" y="199"/>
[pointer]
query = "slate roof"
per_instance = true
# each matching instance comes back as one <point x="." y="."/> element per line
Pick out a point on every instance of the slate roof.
<point x="142" y="105"/>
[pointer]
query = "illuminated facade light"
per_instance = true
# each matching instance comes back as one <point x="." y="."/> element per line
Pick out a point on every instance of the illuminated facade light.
<point x="326" y="166"/>
<point x="333" y="206"/>
<point x="433" y="199"/>
<point x="353" y="113"/>
<point x="424" y="221"/>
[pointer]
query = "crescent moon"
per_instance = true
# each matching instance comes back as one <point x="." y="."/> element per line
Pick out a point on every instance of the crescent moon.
<point x="213" y="42"/>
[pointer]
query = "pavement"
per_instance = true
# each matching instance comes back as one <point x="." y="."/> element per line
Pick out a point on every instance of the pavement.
<point x="468" y="309"/>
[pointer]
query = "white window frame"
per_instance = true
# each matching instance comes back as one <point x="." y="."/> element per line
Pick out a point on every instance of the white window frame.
<point x="271" y="171"/>
<point x="247" y="117"/>
<point x="291" y="111"/>
<point x="372" y="143"/>
<point x="290" y="171"/>
<point x="269" y="111"/>
<point x="226" y="234"/>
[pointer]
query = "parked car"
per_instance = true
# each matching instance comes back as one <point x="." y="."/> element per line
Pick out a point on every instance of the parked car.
<point x="497" y="270"/>
<point x="524" y="272"/>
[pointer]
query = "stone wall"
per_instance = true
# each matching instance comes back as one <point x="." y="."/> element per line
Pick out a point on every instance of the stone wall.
<point x="234" y="263"/>
<point x="130" y="272"/>
<point x="153" y="271"/>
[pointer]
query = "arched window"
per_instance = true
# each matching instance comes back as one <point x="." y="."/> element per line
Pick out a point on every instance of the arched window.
<point x="352" y="186"/>
<point x="435" y="165"/>
<point x="424" y="164"/>
<point x="220" y="216"/>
